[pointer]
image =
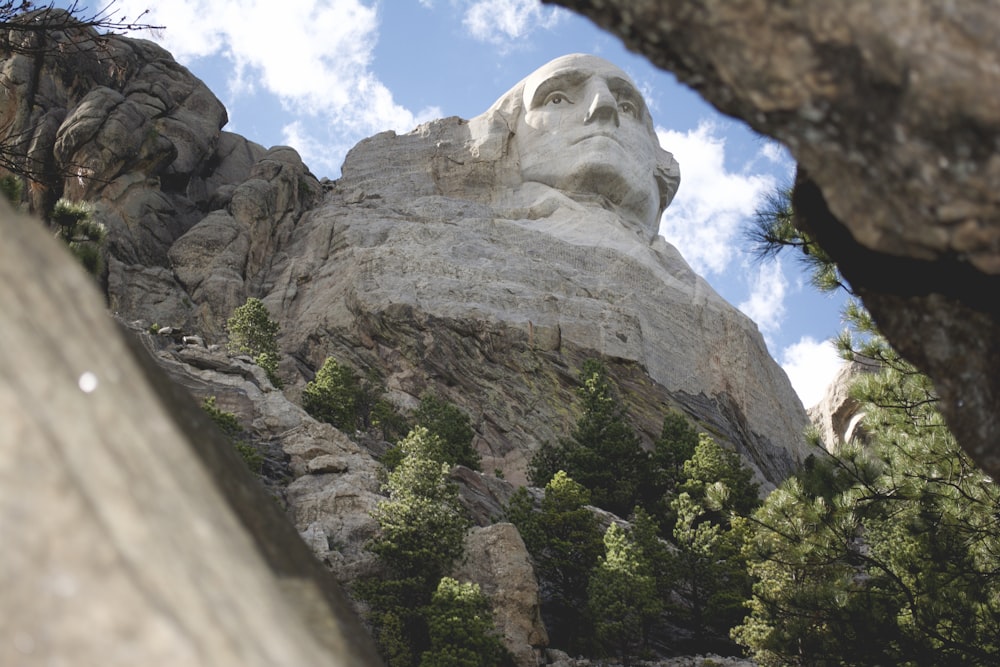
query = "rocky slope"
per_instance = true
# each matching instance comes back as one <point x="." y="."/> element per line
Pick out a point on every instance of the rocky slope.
<point x="417" y="264"/>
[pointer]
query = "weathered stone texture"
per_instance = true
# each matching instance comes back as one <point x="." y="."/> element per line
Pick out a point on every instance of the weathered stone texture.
<point x="428" y="263"/>
<point x="498" y="561"/>
<point x="837" y="415"/>
<point x="891" y="110"/>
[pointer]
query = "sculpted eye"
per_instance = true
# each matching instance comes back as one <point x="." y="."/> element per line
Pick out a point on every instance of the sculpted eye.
<point x="628" y="107"/>
<point x="556" y="98"/>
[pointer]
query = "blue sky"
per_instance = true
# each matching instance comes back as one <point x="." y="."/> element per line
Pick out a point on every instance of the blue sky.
<point x="320" y="75"/>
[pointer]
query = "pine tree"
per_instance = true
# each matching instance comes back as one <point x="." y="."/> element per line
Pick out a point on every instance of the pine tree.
<point x="712" y="582"/>
<point x="647" y="536"/>
<point x="888" y="552"/>
<point x="422" y="524"/>
<point x="565" y="542"/>
<point x="76" y="226"/>
<point x="622" y="595"/>
<point x="719" y="480"/>
<point x="421" y="532"/>
<point x="665" y="471"/>
<point x="253" y="332"/>
<point x="451" y="426"/>
<point x="332" y="396"/>
<point x="603" y="452"/>
<point x="462" y="633"/>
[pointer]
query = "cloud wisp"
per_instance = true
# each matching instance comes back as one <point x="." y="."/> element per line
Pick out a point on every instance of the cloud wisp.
<point x="766" y="303"/>
<point x="705" y="219"/>
<point x="502" y="22"/>
<point x="811" y="366"/>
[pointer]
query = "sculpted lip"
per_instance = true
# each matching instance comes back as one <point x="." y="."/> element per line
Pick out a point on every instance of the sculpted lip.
<point x="606" y="135"/>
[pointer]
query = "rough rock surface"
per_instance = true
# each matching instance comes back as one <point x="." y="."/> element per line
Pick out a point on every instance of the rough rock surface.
<point x="141" y="138"/>
<point x="133" y="534"/>
<point x="332" y="483"/>
<point x="890" y="109"/>
<point x="414" y="265"/>
<point x="498" y="561"/>
<point x="837" y="414"/>
<point x="423" y="263"/>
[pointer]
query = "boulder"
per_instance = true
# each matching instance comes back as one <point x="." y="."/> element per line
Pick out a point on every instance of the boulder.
<point x="498" y="561"/>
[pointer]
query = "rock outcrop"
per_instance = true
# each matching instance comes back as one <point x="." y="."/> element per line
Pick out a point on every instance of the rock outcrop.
<point x="890" y="109"/>
<point x="409" y="267"/>
<point x="837" y="415"/>
<point x="499" y="562"/>
<point x="428" y="263"/>
<point x="133" y="532"/>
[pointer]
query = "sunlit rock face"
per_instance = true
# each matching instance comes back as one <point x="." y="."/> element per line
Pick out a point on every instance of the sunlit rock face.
<point x="890" y="111"/>
<point x="484" y="260"/>
<point x="487" y="258"/>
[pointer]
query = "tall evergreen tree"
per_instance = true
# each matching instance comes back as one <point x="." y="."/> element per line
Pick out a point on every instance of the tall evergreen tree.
<point x="888" y="552"/>
<point x="332" y="396"/>
<point x="421" y="532"/>
<point x="451" y="426"/>
<point x="603" y="452"/>
<point x="565" y="542"/>
<point x="622" y="595"/>
<point x="710" y="573"/>
<point x="665" y="470"/>
<point x="462" y="633"/>
<point x="252" y="331"/>
<point x="719" y="480"/>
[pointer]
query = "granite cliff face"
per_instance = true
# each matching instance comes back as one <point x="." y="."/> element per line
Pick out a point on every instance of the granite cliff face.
<point x="890" y="110"/>
<point x="427" y="262"/>
<point x="442" y="282"/>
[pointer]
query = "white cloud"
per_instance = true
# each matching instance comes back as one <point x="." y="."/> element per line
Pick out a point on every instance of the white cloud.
<point x="500" y="21"/>
<point x="775" y="152"/>
<point x="766" y="303"/>
<point x="811" y="366"/>
<point x="314" y="55"/>
<point x="706" y="216"/>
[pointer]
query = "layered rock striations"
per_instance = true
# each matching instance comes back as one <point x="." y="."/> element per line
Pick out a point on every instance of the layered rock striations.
<point x="409" y="266"/>
<point x="890" y="109"/>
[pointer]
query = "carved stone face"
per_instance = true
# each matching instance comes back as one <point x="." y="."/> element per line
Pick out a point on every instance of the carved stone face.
<point x="584" y="129"/>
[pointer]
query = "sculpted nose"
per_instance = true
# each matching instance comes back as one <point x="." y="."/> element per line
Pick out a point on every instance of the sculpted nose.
<point x="603" y="107"/>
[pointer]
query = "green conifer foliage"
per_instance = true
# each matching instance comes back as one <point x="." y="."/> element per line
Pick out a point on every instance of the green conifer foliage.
<point x="452" y="427"/>
<point x="421" y="533"/>
<point x="422" y="523"/>
<point x="603" y="452"/>
<point x="719" y="480"/>
<point x="253" y="332"/>
<point x="712" y="582"/>
<point x="565" y="541"/>
<point x="622" y="595"/>
<point x="888" y="552"/>
<point x="462" y="633"/>
<point x="894" y="562"/>
<point x="332" y="396"/>
<point x="647" y="536"/>
<point x="75" y="224"/>
<point x="230" y="427"/>
<point x="665" y="470"/>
